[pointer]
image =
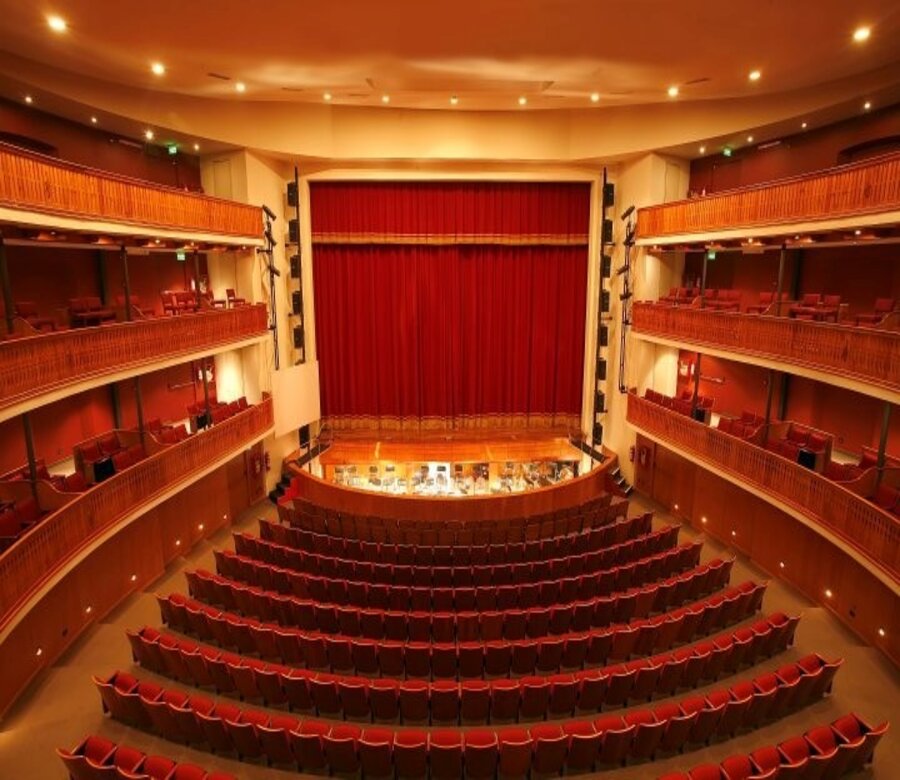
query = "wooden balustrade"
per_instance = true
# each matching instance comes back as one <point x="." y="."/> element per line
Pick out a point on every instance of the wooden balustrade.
<point x="860" y="523"/>
<point x="866" y="354"/>
<point x="35" y="182"/>
<point x="35" y="365"/>
<point x="31" y="561"/>
<point x="866" y="187"/>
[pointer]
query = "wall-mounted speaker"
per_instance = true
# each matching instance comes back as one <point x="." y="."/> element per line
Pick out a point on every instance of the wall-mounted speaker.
<point x="298" y="337"/>
<point x="304" y="436"/>
<point x="297" y="302"/>
<point x="607" y="231"/>
<point x="605" y="266"/>
<point x="293" y="231"/>
<point x="603" y="336"/>
<point x="599" y="403"/>
<point x="604" y="301"/>
<point x="293" y="196"/>
<point x="601" y="369"/>
<point x="597" y="433"/>
<point x="609" y="194"/>
<point x="295" y="266"/>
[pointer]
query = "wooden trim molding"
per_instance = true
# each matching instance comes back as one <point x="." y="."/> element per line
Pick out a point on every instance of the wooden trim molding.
<point x="859" y="524"/>
<point x="867" y="187"/>
<point x="41" y="184"/>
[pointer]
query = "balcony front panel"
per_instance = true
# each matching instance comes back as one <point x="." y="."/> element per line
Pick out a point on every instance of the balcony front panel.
<point x="863" y="188"/>
<point x="58" y="537"/>
<point x="34" y="182"/>
<point x="868" y="355"/>
<point x="35" y="365"/>
<point x="862" y="525"/>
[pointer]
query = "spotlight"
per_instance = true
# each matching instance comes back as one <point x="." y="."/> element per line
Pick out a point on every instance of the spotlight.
<point x="860" y="34"/>
<point x="59" y="25"/>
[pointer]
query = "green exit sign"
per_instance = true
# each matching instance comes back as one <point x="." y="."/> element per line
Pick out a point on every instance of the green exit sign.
<point x="711" y="254"/>
<point x="173" y="149"/>
<point x="181" y="256"/>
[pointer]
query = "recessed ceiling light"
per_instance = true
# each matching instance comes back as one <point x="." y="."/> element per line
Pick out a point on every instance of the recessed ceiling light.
<point x="828" y="593"/>
<point x="703" y="519"/>
<point x="58" y="24"/>
<point x="240" y="86"/>
<point x="29" y="99"/>
<point x="326" y="97"/>
<point x="867" y="105"/>
<point x="158" y="69"/>
<point x="781" y="564"/>
<point x="523" y="100"/>
<point x="881" y="632"/>
<point x="385" y="98"/>
<point x="702" y="150"/>
<point x="734" y="533"/>
<point x="755" y="75"/>
<point x="196" y="147"/>
<point x="861" y="34"/>
<point x="595" y="97"/>
<point x="673" y="91"/>
<point x="804" y="126"/>
<point x="749" y="139"/>
<point x="454" y="100"/>
<point x="134" y="577"/>
<point x="93" y="120"/>
<point x="148" y="134"/>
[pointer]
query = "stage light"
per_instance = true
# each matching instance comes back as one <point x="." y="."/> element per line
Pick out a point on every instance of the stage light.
<point x="861" y="34"/>
<point x="57" y="24"/>
<point x="755" y="75"/>
<point x="673" y="91"/>
<point x="158" y="69"/>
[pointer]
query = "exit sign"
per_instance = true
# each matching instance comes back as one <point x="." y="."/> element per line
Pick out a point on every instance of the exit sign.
<point x="180" y="256"/>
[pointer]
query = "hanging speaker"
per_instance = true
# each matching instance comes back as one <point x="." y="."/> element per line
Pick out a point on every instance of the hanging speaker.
<point x="609" y="194"/>
<point x="607" y="231"/>
<point x="601" y="369"/>
<point x="294" y="231"/>
<point x="604" y="301"/>
<point x="293" y="197"/>
<point x="295" y="266"/>
<point x="599" y="403"/>
<point x="603" y="336"/>
<point x="605" y="266"/>
<point x="297" y="302"/>
<point x="298" y="337"/>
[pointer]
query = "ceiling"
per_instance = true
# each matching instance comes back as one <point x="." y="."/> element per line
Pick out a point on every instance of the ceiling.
<point x="555" y="53"/>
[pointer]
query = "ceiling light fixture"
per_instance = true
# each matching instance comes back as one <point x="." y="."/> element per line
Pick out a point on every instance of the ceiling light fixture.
<point x="148" y="134"/>
<point x="861" y="34"/>
<point x="158" y="69"/>
<point x="595" y="97"/>
<point x="755" y="75"/>
<point x="781" y="564"/>
<point x="828" y="593"/>
<point x="29" y="99"/>
<point x="454" y="100"/>
<point x="702" y="150"/>
<point x="881" y="632"/>
<point x="93" y="120"/>
<point x="523" y="100"/>
<point x="857" y="232"/>
<point x="196" y="147"/>
<point x="749" y="139"/>
<point x="804" y="126"/>
<point x="867" y="105"/>
<point x="57" y="24"/>
<point x="326" y="97"/>
<point x="673" y="91"/>
<point x="240" y="86"/>
<point x="385" y="98"/>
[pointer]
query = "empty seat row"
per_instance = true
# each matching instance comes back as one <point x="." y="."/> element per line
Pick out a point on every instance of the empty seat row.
<point x="444" y="626"/>
<point x="362" y="593"/>
<point x="846" y="746"/>
<point x="98" y="757"/>
<point x="466" y="553"/>
<point x="464" y="659"/>
<point x="252" y="734"/>
<point x="495" y="700"/>
<point x="501" y="572"/>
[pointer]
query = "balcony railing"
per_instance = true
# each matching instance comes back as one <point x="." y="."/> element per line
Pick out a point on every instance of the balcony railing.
<point x="34" y="182"/>
<point x="866" y="354"/>
<point x="858" y="522"/>
<point x="32" y="366"/>
<point x="31" y="561"/>
<point x="866" y="187"/>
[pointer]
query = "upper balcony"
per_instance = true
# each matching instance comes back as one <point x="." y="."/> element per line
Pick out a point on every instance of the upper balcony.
<point x="41" y="191"/>
<point x="835" y="511"/>
<point x="864" y="359"/>
<point x="861" y="194"/>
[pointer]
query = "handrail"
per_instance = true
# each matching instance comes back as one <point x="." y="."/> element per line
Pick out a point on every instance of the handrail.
<point x="858" y="522"/>
<point x="36" y="182"/>
<point x="867" y="354"/>
<point x="35" y="365"/>
<point x="41" y="552"/>
<point x="864" y="187"/>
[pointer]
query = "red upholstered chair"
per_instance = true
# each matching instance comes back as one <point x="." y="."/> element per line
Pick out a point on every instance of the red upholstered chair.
<point x="340" y="749"/>
<point x="706" y="772"/>
<point x="616" y="739"/>
<point x="445" y="754"/>
<point x="765" y="301"/>
<point x="795" y="753"/>
<point x="882" y="309"/>
<point x="852" y="729"/>
<point x="411" y="754"/>
<point x="376" y="751"/>
<point x="307" y="746"/>
<point x="515" y="753"/>
<point x="28" y="311"/>
<point x="188" y="772"/>
<point x="550" y="744"/>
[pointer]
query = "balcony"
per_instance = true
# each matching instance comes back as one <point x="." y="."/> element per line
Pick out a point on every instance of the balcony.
<point x="856" y="522"/>
<point x="35" y="190"/>
<point x="866" y="355"/>
<point x="38" y="369"/>
<point x="61" y="536"/>
<point x="866" y="192"/>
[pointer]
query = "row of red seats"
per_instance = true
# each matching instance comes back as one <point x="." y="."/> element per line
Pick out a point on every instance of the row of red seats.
<point x="640" y="735"/>
<point x="475" y="700"/>
<point x="461" y="575"/>
<point x="683" y="404"/>
<point x="737" y="428"/>
<point x="171" y="434"/>
<point x="16" y="518"/>
<point x="96" y="758"/>
<point x="402" y="597"/>
<point x="846" y="746"/>
<point x="466" y="659"/>
<point x="445" y="626"/>
<point x="466" y="552"/>
<point x="69" y="483"/>
<point x="451" y="532"/>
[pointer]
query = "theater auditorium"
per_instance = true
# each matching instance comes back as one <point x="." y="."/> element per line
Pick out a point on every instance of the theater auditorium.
<point x="480" y="391"/>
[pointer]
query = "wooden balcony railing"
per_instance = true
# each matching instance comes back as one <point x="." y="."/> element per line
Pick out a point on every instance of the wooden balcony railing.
<point x="35" y="365"/>
<point x="866" y="354"/>
<point x="35" y="182"/>
<point x="39" y="554"/>
<point x="858" y="522"/>
<point x="866" y="187"/>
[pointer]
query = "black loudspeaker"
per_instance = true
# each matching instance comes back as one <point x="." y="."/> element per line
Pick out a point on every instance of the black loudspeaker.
<point x="293" y="231"/>
<point x="298" y="337"/>
<point x="603" y="336"/>
<point x="609" y="194"/>
<point x="295" y="266"/>
<point x="604" y="301"/>
<point x="598" y="433"/>
<point x="599" y="403"/>
<point x="304" y="436"/>
<point x="605" y="266"/>
<point x="296" y="302"/>
<point x="607" y="231"/>
<point x="601" y="369"/>
<point x="293" y="196"/>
